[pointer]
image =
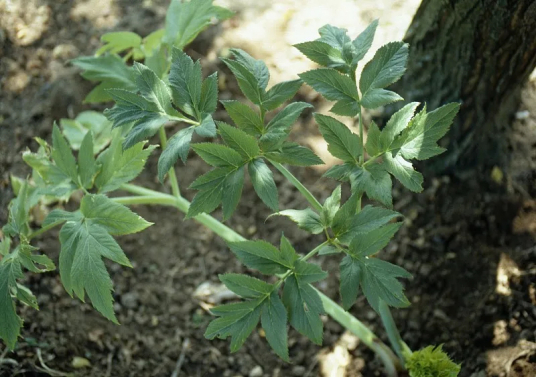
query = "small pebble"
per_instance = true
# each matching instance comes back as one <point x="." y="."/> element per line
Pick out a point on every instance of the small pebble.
<point x="256" y="372"/>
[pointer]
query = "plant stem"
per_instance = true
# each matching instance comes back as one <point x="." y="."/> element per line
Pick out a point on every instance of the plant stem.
<point x="301" y="188"/>
<point x="172" y="176"/>
<point x="357" y="328"/>
<point x="392" y="331"/>
<point x="147" y="196"/>
<point x="361" y="136"/>
<point x="43" y="230"/>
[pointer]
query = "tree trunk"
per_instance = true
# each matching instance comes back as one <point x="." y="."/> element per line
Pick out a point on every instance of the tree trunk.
<point x="478" y="52"/>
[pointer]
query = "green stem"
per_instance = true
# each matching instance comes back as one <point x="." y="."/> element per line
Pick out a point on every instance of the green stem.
<point x="357" y="328"/>
<point x="172" y="176"/>
<point x="392" y="331"/>
<point x="301" y="188"/>
<point x="147" y="196"/>
<point x="361" y="137"/>
<point x="43" y="230"/>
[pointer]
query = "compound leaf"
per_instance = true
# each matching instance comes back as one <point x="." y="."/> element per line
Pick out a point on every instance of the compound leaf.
<point x="244" y="117"/>
<point x="236" y="320"/>
<point x="240" y="141"/>
<point x="403" y="171"/>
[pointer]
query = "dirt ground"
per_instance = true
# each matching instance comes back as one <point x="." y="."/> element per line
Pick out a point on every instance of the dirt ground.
<point x="469" y="242"/>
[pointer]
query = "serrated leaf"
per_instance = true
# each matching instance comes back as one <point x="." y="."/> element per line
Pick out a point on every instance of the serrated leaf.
<point x="340" y="172"/>
<point x="328" y="250"/>
<point x="274" y="323"/>
<point x="83" y="244"/>
<point x="246" y="286"/>
<point x="18" y="211"/>
<point x="62" y="155"/>
<point x="185" y="20"/>
<point x="294" y="154"/>
<point x="395" y="125"/>
<point x="403" y="171"/>
<point x="185" y="81"/>
<point x="379" y="97"/>
<point x="334" y="87"/>
<point x="232" y="191"/>
<point x="153" y="89"/>
<point x="343" y="218"/>
<point x="177" y="146"/>
<point x="58" y="215"/>
<point x="237" y="320"/>
<point x="257" y="67"/>
<point x="30" y="261"/>
<point x="26" y="296"/>
<point x="244" y="117"/>
<point x="304" y="308"/>
<point x="306" y="219"/>
<point x="385" y="68"/>
<point x="87" y="166"/>
<point x="263" y="183"/>
<point x="334" y="36"/>
<point x="372" y="145"/>
<point x="110" y="70"/>
<point x="207" y="127"/>
<point x="116" y="218"/>
<point x="10" y="323"/>
<point x="133" y="109"/>
<point x="280" y="93"/>
<point x="118" y="41"/>
<point x="375" y="181"/>
<point x="288" y="253"/>
<point x="209" y="94"/>
<point x="342" y="143"/>
<point x="279" y="127"/>
<point x="240" y="141"/>
<point x="367" y="244"/>
<point x="379" y="282"/>
<point x="331" y="206"/>
<point x="350" y="279"/>
<point x="120" y="166"/>
<point x="308" y="272"/>
<point x="218" y="155"/>
<point x="248" y="83"/>
<point x="421" y="141"/>
<point x="211" y="178"/>
<point x="363" y="42"/>
<point x="322" y="53"/>
<point x="261" y="256"/>
<point x="367" y="220"/>
<point x="206" y="200"/>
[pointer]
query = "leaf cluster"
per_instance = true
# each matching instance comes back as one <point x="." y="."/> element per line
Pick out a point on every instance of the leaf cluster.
<point x="299" y="304"/>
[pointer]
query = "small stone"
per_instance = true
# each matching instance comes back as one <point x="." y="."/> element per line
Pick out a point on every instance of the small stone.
<point x="130" y="300"/>
<point x="80" y="362"/>
<point x="298" y="370"/>
<point x="256" y="372"/>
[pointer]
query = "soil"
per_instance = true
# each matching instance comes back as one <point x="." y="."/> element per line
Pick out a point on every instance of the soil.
<point x="468" y="240"/>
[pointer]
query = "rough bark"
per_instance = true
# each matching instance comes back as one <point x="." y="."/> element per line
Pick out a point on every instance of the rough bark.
<point x="478" y="52"/>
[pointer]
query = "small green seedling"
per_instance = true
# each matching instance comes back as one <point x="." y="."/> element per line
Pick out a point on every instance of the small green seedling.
<point x="163" y="87"/>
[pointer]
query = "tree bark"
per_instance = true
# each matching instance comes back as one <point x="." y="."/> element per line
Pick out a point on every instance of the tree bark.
<point x="477" y="52"/>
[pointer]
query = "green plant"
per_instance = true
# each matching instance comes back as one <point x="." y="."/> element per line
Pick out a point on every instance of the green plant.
<point x="169" y="89"/>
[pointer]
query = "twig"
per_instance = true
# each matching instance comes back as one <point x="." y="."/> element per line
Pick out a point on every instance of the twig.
<point x="182" y="356"/>
<point x="46" y="369"/>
